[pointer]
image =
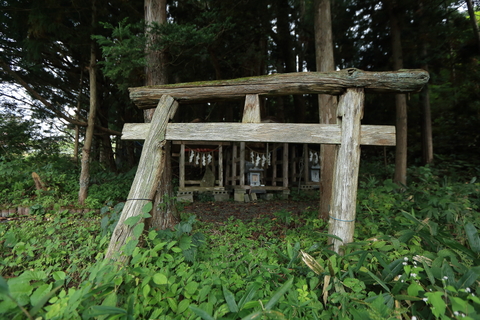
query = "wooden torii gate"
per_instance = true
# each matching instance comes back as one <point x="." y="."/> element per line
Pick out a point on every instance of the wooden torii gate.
<point x="349" y="84"/>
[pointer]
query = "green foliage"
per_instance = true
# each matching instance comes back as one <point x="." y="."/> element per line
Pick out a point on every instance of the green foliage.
<point x="416" y="253"/>
<point x="60" y="174"/>
<point x="124" y="52"/>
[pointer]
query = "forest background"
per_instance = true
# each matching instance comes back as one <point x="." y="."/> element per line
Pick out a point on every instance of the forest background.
<point x="60" y="58"/>
<point x="46" y="50"/>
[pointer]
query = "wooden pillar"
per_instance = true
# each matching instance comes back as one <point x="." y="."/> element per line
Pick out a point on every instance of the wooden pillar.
<point x="182" y="166"/>
<point x="242" y="164"/>
<point x="343" y="205"/>
<point x="306" y="164"/>
<point x="146" y="180"/>
<point x="274" y="166"/>
<point x="251" y="114"/>
<point x="234" y="164"/>
<point x="285" y="165"/>
<point x="220" y="166"/>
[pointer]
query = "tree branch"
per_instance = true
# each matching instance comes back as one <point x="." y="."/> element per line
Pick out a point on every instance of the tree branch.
<point x="6" y="68"/>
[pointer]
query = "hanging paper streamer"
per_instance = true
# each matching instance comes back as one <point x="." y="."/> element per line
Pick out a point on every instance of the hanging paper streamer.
<point x="201" y="157"/>
<point x="192" y="155"/>
<point x="313" y="157"/>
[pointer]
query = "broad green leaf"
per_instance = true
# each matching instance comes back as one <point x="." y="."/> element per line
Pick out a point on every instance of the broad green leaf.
<point x="249" y="294"/>
<point x="130" y="247"/>
<point x="132" y="221"/>
<point x="146" y="290"/>
<point x="230" y="299"/>
<point x="437" y="302"/>
<point x="41" y="302"/>
<point x="147" y="207"/>
<point x="271" y="314"/>
<point x="137" y="231"/>
<point x="191" y="287"/>
<point x="414" y="288"/>
<point x="105" y="310"/>
<point x="467" y="279"/>
<point x="160" y="278"/>
<point x="201" y="313"/>
<point x="204" y="292"/>
<point x="39" y="293"/>
<point x="278" y="294"/>
<point x="472" y="236"/>
<point x="183" y="305"/>
<point x="59" y="275"/>
<point x="4" y="286"/>
<point x="173" y="304"/>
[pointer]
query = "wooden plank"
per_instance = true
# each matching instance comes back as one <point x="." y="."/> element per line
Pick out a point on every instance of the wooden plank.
<point x="263" y="132"/>
<point x="345" y="179"/>
<point x="334" y="82"/>
<point x="146" y="179"/>
<point x="251" y="111"/>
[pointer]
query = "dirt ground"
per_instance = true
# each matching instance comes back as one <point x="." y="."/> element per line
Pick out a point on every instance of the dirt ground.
<point x="221" y="211"/>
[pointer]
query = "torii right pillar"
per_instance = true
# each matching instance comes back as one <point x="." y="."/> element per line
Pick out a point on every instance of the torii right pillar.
<point x="345" y="180"/>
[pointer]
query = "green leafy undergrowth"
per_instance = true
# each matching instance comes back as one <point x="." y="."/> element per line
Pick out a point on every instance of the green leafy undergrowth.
<point x="61" y="176"/>
<point x="405" y="262"/>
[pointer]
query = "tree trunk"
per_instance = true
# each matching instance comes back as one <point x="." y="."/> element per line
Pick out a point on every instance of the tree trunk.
<point x="164" y="213"/>
<point x="427" y="141"/>
<point x="156" y="60"/>
<point x="85" y="171"/>
<point x="77" y="117"/>
<point x="473" y="20"/>
<point x="327" y="104"/>
<point x="400" y="99"/>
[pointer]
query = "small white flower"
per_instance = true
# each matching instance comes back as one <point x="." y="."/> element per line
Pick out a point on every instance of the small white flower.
<point x="467" y="290"/>
<point x="413" y="275"/>
<point x="463" y="315"/>
<point x="445" y="278"/>
<point x="414" y="318"/>
<point x="456" y="313"/>
<point x="404" y="263"/>
<point x="405" y="259"/>
<point x="425" y="299"/>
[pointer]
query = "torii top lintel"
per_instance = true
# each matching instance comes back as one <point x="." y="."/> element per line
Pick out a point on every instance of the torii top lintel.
<point x="334" y="82"/>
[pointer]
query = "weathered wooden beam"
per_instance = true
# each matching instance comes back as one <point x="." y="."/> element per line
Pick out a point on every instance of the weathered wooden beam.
<point x="345" y="179"/>
<point x="334" y="82"/>
<point x="263" y="132"/>
<point x="146" y="179"/>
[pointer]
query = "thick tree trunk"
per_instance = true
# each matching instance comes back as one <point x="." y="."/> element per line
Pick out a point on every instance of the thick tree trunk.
<point x="327" y="103"/>
<point x="427" y="141"/>
<point x="87" y="145"/>
<point x="473" y="20"/>
<point x="400" y="99"/>
<point x="156" y="66"/>
<point x="164" y="214"/>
